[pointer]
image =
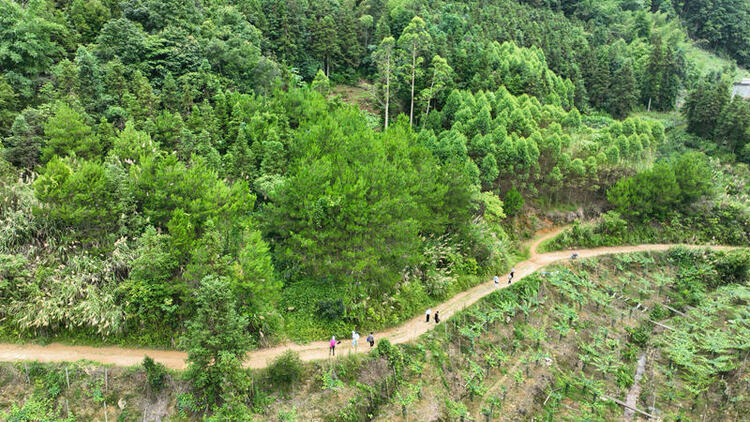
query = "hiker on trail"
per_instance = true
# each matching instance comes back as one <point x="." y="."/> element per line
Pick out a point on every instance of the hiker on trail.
<point x="332" y="348"/>
<point x="574" y="255"/>
<point x="437" y="317"/>
<point x="497" y="281"/>
<point x="512" y="272"/>
<point x="371" y="339"/>
<point x="427" y="315"/>
<point x="355" y="337"/>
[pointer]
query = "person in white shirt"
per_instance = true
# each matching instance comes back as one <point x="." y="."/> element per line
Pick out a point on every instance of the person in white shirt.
<point x="355" y="337"/>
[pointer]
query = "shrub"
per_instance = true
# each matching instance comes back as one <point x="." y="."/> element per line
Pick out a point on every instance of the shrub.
<point x="624" y="377"/>
<point x="658" y="313"/>
<point x="392" y="354"/>
<point x="156" y="374"/>
<point x="331" y="309"/>
<point x="651" y="193"/>
<point x="629" y="353"/>
<point x="612" y="224"/>
<point x="639" y="335"/>
<point x="285" y="369"/>
<point x="733" y="267"/>
<point x="216" y="343"/>
<point x="513" y="202"/>
<point x="690" y="285"/>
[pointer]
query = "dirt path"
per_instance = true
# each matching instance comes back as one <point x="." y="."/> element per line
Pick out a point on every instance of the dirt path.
<point x="410" y="330"/>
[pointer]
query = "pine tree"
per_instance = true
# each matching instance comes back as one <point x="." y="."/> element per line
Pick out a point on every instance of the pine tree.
<point x="90" y="87"/>
<point x="624" y="91"/>
<point x="321" y="83"/>
<point x="347" y="30"/>
<point x="599" y="82"/>
<point x="88" y="18"/>
<point x="8" y="105"/>
<point x="325" y="42"/>
<point x="733" y="127"/>
<point x="704" y="105"/>
<point x="170" y="93"/>
<point x="653" y="76"/>
<point x="22" y="147"/>
<point x="68" y="134"/>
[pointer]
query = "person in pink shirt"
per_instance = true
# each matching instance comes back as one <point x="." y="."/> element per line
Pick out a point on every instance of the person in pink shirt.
<point x="333" y="346"/>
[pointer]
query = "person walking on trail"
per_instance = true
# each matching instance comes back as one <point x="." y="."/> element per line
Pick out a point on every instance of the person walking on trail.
<point x="437" y="317"/>
<point x="497" y="281"/>
<point x="332" y="347"/>
<point x="371" y="339"/>
<point x="512" y="272"/>
<point x="427" y="315"/>
<point x="355" y="337"/>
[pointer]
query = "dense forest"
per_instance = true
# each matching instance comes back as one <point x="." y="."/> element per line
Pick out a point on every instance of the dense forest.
<point x="162" y="157"/>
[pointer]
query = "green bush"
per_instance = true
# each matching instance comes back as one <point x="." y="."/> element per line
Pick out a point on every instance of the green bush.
<point x="733" y="267"/>
<point x="624" y="376"/>
<point x="659" y="313"/>
<point x="392" y="354"/>
<point x="513" y="202"/>
<point x="639" y="335"/>
<point x="331" y="309"/>
<point x="285" y="370"/>
<point x="156" y="374"/>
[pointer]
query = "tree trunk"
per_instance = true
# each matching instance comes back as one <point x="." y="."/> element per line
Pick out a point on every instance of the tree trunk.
<point x="413" y="76"/>
<point x="387" y="93"/>
<point x="429" y="99"/>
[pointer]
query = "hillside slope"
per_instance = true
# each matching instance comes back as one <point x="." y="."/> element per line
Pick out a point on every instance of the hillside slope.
<point x="562" y="343"/>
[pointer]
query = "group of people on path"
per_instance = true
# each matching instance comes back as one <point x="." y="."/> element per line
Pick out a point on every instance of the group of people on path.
<point x="510" y="277"/>
<point x="355" y="338"/>
<point x="427" y="314"/>
<point x="371" y="338"/>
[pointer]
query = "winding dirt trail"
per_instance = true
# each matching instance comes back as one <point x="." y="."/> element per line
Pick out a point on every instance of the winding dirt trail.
<point x="410" y="330"/>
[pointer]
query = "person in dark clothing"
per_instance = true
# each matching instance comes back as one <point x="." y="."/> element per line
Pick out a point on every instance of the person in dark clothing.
<point x="437" y="317"/>
<point x="371" y="339"/>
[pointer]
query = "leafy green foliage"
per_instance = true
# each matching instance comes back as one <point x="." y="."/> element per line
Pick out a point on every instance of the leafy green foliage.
<point x="714" y="115"/>
<point x="285" y="370"/>
<point x="659" y="190"/>
<point x="69" y="135"/>
<point x="155" y="144"/>
<point x="216" y="343"/>
<point x="720" y="23"/>
<point x="156" y="374"/>
<point x="513" y="202"/>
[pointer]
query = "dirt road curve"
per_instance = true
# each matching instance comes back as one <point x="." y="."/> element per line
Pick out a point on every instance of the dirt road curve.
<point x="317" y="350"/>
